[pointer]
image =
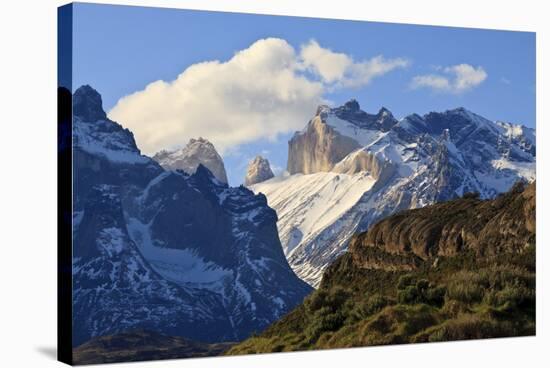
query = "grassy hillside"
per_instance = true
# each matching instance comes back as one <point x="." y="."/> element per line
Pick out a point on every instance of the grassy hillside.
<point x="472" y="277"/>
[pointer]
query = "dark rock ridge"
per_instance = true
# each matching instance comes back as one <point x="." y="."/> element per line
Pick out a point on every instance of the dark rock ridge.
<point x="179" y="254"/>
<point x="351" y="111"/>
<point x="87" y="104"/>
<point x="141" y="345"/>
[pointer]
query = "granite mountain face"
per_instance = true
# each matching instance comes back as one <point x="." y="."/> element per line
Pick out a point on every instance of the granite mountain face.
<point x="175" y="252"/>
<point x="258" y="170"/>
<point x="349" y="169"/>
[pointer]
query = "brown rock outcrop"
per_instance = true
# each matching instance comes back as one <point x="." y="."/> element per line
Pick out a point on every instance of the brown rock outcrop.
<point x="485" y="227"/>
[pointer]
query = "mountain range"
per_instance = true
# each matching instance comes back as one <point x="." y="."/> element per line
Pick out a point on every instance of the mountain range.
<point x="165" y="250"/>
<point x="164" y="244"/>
<point x="348" y="169"/>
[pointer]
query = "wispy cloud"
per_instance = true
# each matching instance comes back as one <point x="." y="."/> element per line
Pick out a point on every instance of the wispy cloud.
<point x="340" y="70"/>
<point x="452" y="79"/>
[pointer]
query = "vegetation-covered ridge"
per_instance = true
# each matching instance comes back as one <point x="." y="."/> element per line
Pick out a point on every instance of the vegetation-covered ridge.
<point x="463" y="269"/>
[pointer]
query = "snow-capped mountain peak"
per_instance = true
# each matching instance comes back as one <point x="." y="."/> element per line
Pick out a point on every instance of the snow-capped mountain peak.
<point x="351" y="112"/>
<point x="196" y="152"/>
<point x="96" y="134"/>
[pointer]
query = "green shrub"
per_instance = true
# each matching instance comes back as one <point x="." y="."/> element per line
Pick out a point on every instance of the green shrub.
<point x="511" y="297"/>
<point x="277" y="348"/>
<point x="324" y="323"/>
<point x="436" y="296"/>
<point x="468" y="287"/>
<point x="376" y="303"/>
<point x="328" y="310"/>
<point x="499" y="286"/>
<point x="334" y="300"/>
<point x="422" y="285"/>
<point x="405" y="281"/>
<point x="470" y="326"/>
<point x="409" y="295"/>
<point x="316" y="300"/>
<point x="368" y="307"/>
<point x="396" y="324"/>
<point x="337" y="298"/>
<point x="467" y="293"/>
<point x="422" y="292"/>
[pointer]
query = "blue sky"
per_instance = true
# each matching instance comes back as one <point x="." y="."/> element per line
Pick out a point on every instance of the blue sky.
<point x="120" y="50"/>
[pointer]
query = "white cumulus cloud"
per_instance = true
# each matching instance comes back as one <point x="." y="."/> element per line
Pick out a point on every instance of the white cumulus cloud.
<point x="341" y="70"/>
<point x="455" y="79"/>
<point x="261" y="92"/>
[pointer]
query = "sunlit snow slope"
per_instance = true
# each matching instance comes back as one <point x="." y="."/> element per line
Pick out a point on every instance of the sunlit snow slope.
<point x="307" y="204"/>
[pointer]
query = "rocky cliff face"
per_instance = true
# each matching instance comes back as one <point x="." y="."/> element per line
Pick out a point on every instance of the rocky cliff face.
<point x="321" y="145"/>
<point x="197" y="152"/>
<point x="115" y="288"/>
<point x="201" y="234"/>
<point x="410" y="163"/>
<point x="87" y="104"/>
<point x="486" y="228"/>
<point x="177" y="253"/>
<point x="317" y="148"/>
<point x="258" y="170"/>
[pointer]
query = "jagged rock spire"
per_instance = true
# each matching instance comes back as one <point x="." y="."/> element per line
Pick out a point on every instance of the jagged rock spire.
<point x="258" y="171"/>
